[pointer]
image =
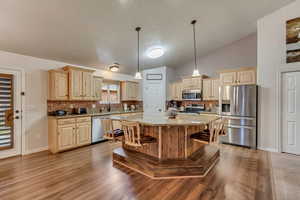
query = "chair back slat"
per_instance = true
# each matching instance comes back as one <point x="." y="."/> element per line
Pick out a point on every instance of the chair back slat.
<point x="132" y="133"/>
<point x="216" y="129"/>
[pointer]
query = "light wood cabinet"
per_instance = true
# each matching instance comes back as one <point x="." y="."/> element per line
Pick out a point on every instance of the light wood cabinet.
<point x="87" y="86"/>
<point x="211" y="89"/>
<point x="66" y="137"/>
<point x="97" y="87"/>
<point x="192" y="83"/>
<point x="83" y="133"/>
<point x="176" y="91"/>
<point x="246" y="77"/>
<point x="80" y="83"/>
<point x="129" y="91"/>
<point x="68" y="133"/>
<point x="58" y="85"/>
<point x="243" y="76"/>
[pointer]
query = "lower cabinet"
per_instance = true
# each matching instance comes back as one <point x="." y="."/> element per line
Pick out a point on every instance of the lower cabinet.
<point x="83" y="133"/>
<point x="68" y="133"/>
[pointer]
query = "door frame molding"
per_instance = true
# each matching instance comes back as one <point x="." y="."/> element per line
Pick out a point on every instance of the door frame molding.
<point x="23" y="113"/>
<point x="279" y="107"/>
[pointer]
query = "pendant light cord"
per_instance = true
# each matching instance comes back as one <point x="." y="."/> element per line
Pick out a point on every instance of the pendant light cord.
<point x="138" y="48"/>
<point x="195" y="47"/>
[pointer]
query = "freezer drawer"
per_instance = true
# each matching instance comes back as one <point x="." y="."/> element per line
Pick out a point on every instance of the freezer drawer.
<point x="240" y="135"/>
<point x="240" y="121"/>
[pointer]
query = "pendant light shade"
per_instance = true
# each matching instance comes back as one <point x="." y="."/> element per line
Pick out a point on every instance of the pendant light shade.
<point x="196" y="70"/>
<point x="138" y="74"/>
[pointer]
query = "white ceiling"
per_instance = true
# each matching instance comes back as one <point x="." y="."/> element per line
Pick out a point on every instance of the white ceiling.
<point x="98" y="32"/>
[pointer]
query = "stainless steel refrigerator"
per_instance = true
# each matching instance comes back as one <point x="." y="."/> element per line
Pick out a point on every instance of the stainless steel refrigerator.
<point x="238" y="104"/>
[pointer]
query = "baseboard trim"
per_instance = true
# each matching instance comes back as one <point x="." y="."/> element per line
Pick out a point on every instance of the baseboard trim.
<point x="35" y="150"/>
<point x="268" y="149"/>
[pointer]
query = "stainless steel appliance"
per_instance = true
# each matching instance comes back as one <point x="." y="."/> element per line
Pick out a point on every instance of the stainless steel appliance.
<point x="195" y="108"/>
<point x="191" y="95"/>
<point x="238" y="104"/>
<point x="97" y="129"/>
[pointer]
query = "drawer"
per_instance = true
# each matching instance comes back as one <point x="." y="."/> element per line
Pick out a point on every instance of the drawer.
<point x="66" y="121"/>
<point x="83" y="119"/>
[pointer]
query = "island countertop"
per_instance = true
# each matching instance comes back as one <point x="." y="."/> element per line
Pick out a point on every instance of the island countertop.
<point x="162" y="119"/>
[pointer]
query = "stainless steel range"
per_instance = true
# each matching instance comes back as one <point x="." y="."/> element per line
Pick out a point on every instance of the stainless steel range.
<point x="238" y="104"/>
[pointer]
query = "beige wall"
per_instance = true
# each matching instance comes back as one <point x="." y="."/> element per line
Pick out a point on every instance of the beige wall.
<point x="271" y="62"/>
<point x="36" y="84"/>
<point x="242" y="53"/>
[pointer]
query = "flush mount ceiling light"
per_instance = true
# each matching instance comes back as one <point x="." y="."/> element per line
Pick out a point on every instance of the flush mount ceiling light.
<point x="156" y="52"/>
<point x="138" y="74"/>
<point x="196" y="70"/>
<point x="114" y="67"/>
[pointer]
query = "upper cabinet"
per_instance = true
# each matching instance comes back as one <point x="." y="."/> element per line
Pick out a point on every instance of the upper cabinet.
<point x="130" y="91"/>
<point x="97" y="88"/>
<point x="211" y="89"/>
<point x="176" y="91"/>
<point x="58" y="85"/>
<point x="243" y="76"/>
<point x="80" y="83"/>
<point x="192" y="83"/>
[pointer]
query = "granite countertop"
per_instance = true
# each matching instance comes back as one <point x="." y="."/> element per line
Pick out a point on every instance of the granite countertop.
<point x="95" y="114"/>
<point x="163" y="120"/>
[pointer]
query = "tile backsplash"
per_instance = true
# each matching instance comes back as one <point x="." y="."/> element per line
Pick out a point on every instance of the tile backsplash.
<point x="69" y="105"/>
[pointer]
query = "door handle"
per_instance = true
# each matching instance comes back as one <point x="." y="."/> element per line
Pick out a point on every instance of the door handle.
<point x="234" y="126"/>
<point x="17" y="117"/>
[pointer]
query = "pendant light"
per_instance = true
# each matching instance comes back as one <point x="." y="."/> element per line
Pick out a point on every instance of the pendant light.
<point x="138" y="74"/>
<point x="196" y="71"/>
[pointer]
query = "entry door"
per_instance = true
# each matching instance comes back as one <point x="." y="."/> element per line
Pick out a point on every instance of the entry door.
<point x="10" y="113"/>
<point x="154" y="97"/>
<point x="291" y="113"/>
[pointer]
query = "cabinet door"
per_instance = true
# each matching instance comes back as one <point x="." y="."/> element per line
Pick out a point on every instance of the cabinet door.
<point x="87" y="81"/>
<point x="76" y="85"/>
<point x="186" y="83"/>
<point x="228" y="78"/>
<point x="207" y="89"/>
<point x="196" y="83"/>
<point x="97" y="90"/>
<point x="83" y="134"/>
<point x="178" y="91"/>
<point x="66" y="137"/>
<point x="61" y="86"/>
<point x="215" y="84"/>
<point x="134" y="90"/>
<point x="246" y="77"/>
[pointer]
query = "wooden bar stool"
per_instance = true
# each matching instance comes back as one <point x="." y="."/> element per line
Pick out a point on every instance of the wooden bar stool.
<point x="109" y="132"/>
<point x="132" y="135"/>
<point x="216" y="129"/>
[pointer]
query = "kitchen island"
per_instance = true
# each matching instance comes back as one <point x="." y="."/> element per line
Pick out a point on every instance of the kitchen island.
<point x="175" y="154"/>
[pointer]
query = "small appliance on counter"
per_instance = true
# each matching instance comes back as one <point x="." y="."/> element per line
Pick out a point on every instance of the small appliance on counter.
<point x="79" y="111"/>
<point x="59" y="113"/>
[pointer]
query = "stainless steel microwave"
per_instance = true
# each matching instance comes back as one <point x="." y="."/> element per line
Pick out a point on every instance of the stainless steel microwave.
<point x="192" y="95"/>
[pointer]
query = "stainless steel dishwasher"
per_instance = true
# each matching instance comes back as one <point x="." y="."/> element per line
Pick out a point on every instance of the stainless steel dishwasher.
<point x="98" y="129"/>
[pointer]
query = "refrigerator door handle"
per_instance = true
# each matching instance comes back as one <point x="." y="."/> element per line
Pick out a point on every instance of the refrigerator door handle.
<point x="232" y="117"/>
<point x="235" y="126"/>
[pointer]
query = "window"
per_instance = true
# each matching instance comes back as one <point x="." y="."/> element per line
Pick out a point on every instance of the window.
<point x="110" y="92"/>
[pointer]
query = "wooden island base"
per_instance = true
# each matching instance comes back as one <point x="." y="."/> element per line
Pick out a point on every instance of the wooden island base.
<point x="197" y="165"/>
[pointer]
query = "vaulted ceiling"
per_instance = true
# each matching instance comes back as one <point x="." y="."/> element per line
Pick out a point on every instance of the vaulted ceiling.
<point x="99" y="32"/>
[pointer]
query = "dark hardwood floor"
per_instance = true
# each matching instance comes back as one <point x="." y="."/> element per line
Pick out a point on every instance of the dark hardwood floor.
<point x="87" y="173"/>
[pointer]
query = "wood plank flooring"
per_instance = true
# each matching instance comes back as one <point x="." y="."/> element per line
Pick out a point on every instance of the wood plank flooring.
<point x="87" y="173"/>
